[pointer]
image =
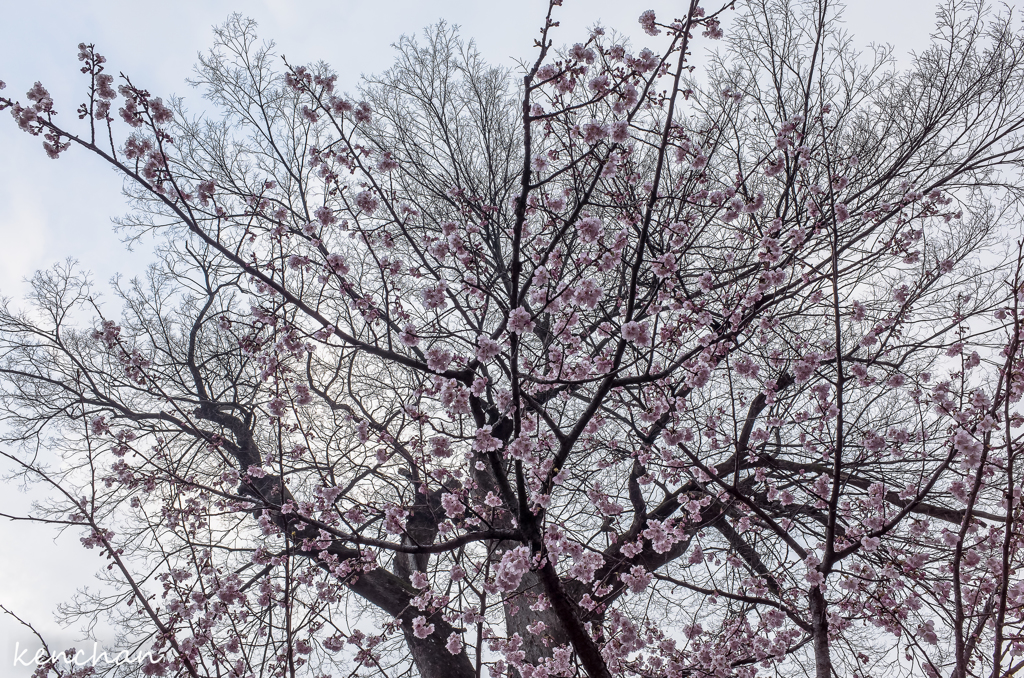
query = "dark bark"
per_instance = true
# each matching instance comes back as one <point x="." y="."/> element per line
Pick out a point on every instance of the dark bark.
<point x="389" y="592"/>
<point x="536" y="646"/>
<point x="586" y="649"/>
<point x="433" y="660"/>
<point x="819" y="634"/>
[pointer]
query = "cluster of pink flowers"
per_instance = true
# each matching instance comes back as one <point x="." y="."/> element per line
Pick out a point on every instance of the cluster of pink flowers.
<point x="687" y="371"/>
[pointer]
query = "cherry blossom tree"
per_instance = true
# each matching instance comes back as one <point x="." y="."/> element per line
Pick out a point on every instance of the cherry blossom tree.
<point x="692" y="359"/>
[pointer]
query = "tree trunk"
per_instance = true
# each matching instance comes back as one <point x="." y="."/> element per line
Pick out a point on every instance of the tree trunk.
<point x="432" y="659"/>
<point x="517" y="618"/>
<point x="819" y="630"/>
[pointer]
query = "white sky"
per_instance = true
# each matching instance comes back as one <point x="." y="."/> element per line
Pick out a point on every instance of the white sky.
<point x="51" y="210"/>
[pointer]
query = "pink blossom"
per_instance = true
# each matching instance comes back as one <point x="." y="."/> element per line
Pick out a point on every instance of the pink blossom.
<point x="713" y="29"/>
<point x="309" y="114"/>
<point x="859" y="311"/>
<point x="387" y="163"/>
<point x="453" y="395"/>
<point x="108" y="333"/>
<point x="366" y="201"/>
<point x="339" y="106"/>
<point x="99" y="426"/>
<point x="394" y="519"/>
<point x="926" y="632"/>
<point x="589" y="228"/>
<point x="661" y="538"/>
<point x="585" y="566"/>
<point x="438" y="358"/>
<point x="754" y="205"/>
<point x="452" y="505"/>
<point x="637" y="332"/>
<point x="362" y="112"/>
<point x="454" y="644"/>
<point x="706" y="281"/>
<point x="336" y="263"/>
<point x="537" y="628"/>
<point x="277" y="407"/>
<point x="479" y="386"/>
<point x="41" y="97"/>
<point x="599" y="85"/>
<point x="873" y="442"/>
<point x="620" y="131"/>
<point x="514" y="564"/>
<point x="440" y="447"/>
<point x="546" y="72"/>
<point x="161" y="114"/>
<point x="647" y="22"/>
<point x="745" y="367"/>
<point x="105" y="85"/>
<point x="637" y="579"/>
<point x="435" y="297"/>
<point x="632" y="549"/>
<point x="594" y="132"/>
<point x="582" y="53"/>
<point x="556" y="203"/>
<point x="776" y="166"/>
<point x="484" y="441"/>
<point x="588" y="293"/>
<point x="325" y="215"/>
<point x="803" y="369"/>
<point x="302" y="394"/>
<point x="519" y="320"/>
<point x="408" y="335"/>
<point x="420" y="628"/>
<point x="487" y="348"/>
<point x="664" y="265"/>
<point x="969" y="447"/>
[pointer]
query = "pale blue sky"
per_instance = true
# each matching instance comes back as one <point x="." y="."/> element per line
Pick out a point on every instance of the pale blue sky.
<point x="54" y="210"/>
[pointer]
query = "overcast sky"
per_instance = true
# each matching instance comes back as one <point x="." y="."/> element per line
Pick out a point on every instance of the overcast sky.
<point x="52" y="210"/>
